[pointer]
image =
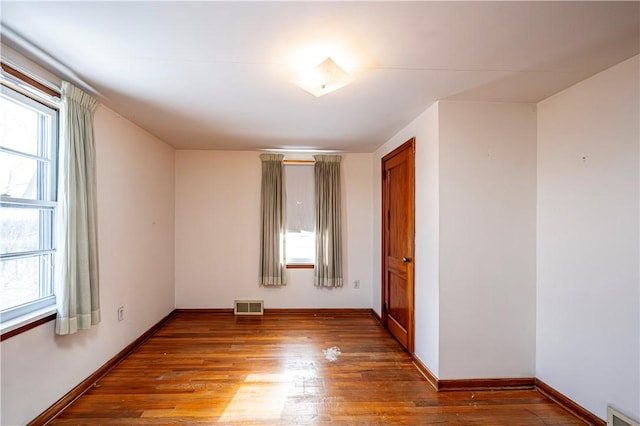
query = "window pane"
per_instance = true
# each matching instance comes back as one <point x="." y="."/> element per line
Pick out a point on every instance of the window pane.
<point x="301" y="247"/>
<point x="18" y="127"/>
<point x="25" y="280"/>
<point x="18" y="176"/>
<point x="300" y="214"/>
<point x="28" y="166"/>
<point x="22" y="229"/>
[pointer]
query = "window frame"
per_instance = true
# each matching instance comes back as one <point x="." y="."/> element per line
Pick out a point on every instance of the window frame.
<point x="30" y="93"/>
<point x="308" y="163"/>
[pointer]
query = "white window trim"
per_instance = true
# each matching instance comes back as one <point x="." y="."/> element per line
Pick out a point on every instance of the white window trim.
<point x="28" y="318"/>
<point x="23" y="315"/>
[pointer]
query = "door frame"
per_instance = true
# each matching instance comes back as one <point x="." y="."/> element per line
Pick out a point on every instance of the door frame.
<point x="410" y="145"/>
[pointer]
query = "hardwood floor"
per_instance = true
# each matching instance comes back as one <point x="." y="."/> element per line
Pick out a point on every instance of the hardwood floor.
<point x="219" y="369"/>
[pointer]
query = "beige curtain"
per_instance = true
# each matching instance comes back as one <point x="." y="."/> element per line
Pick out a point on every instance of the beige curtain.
<point x="77" y="292"/>
<point x="328" y="264"/>
<point x="273" y="260"/>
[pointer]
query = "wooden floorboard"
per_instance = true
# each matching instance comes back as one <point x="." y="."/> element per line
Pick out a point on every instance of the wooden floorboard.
<point x="205" y="368"/>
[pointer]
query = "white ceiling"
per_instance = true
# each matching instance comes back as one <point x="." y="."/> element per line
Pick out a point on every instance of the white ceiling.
<point x="215" y="75"/>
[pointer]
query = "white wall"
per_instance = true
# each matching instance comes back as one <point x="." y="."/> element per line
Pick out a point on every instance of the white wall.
<point x="588" y="310"/>
<point x="136" y="249"/>
<point x="475" y="238"/>
<point x="487" y="239"/>
<point x="426" y="257"/>
<point x="475" y="288"/>
<point x="218" y="229"/>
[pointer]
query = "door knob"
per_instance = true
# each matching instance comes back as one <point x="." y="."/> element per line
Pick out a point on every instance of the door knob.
<point x="406" y="259"/>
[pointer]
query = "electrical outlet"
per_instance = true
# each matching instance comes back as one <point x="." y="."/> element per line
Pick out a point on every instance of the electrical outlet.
<point x="356" y="284"/>
<point x="120" y="313"/>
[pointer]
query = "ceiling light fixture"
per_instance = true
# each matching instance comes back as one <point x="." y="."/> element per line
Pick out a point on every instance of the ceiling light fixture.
<point x="324" y="78"/>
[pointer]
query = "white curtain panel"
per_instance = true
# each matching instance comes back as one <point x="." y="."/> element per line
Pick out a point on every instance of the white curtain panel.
<point x="273" y="260"/>
<point x="328" y="264"/>
<point x="77" y="287"/>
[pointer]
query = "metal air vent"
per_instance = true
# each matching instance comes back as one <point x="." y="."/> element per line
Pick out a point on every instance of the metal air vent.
<point x="248" y="307"/>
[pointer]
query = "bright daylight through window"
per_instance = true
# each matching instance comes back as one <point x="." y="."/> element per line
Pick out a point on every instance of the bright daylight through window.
<point x="300" y="243"/>
<point x="28" y="171"/>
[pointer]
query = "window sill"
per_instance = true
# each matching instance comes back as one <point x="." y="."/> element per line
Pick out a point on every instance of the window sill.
<point x="26" y="322"/>
<point x="300" y="266"/>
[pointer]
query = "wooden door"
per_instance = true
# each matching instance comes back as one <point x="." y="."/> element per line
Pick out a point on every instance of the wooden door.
<point x="398" y="242"/>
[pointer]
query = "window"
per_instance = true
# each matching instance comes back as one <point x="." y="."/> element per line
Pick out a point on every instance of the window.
<point x="28" y="175"/>
<point x="300" y="242"/>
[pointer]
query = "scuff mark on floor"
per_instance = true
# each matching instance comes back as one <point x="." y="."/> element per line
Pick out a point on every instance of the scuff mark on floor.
<point x="332" y="353"/>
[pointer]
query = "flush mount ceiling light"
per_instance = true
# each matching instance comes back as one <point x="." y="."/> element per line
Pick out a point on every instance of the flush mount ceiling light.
<point x="323" y="78"/>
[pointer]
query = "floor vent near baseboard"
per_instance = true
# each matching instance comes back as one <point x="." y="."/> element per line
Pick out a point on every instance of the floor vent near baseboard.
<point x="248" y="307"/>
<point x="616" y="418"/>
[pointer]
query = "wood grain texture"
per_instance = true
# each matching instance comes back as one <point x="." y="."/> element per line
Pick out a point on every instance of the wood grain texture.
<point x="300" y="266"/>
<point x="569" y="404"/>
<point x="473" y="384"/>
<point x="204" y="368"/>
<point x="431" y="378"/>
<point x="59" y="406"/>
<point x="318" y="311"/>
<point x="375" y="316"/>
<point x="398" y="242"/>
<point x="486" y="384"/>
<point x="25" y="78"/>
<point x="219" y="311"/>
